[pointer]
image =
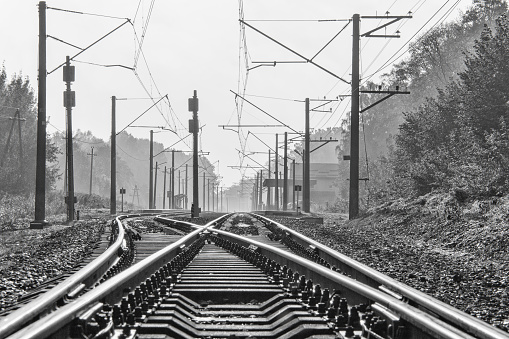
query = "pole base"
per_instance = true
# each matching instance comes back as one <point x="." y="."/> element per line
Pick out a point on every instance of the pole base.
<point x="38" y="224"/>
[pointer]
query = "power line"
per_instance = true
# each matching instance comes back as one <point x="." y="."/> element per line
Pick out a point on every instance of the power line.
<point x="237" y="95"/>
<point x="140" y="115"/>
<point x="369" y="39"/>
<point x="137" y="9"/>
<point x="76" y="139"/>
<point x="85" y="13"/>
<point x="92" y="44"/>
<point x="297" y="20"/>
<point x="274" y="98"/>
<point x="145" y="27"/>
<point x="157" y="89"/>
<point x="64" y="42"/>
<point x="386" y="64"/>
<point x="130" y="156"/>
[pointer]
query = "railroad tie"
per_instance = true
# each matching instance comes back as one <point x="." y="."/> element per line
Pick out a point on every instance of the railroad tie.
<point x="220" y="295"/>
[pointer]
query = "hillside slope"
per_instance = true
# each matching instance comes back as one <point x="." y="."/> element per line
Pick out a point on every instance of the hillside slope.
<point x="456" y="251"/>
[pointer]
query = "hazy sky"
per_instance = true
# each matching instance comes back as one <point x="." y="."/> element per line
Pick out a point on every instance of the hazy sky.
<point x="199" y="45"/>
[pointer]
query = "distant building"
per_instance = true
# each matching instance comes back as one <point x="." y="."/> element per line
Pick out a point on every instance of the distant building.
<point x="322" y="181"/>
<point x="325" y="175"/>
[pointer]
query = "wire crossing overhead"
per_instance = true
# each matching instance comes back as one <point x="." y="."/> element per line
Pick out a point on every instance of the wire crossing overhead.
<point x="324" y="142"/>
<point x="142" y="114"/>
<point x="396" y="19"/>
<point x="249" y="102"/>
<point x="389" y="92"/>
<point x="92" y="44"/>
<point x="296" y="53"/>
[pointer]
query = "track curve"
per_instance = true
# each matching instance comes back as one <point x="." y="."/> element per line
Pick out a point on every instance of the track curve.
<point x="267" y="281"/>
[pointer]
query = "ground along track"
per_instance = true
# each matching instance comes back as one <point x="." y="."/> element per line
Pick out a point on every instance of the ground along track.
<point x="115" y="251"/>
<point x="215" y="284"/>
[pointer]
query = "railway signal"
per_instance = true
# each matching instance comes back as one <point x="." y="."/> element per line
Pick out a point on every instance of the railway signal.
<point x="122" y="192"/>
<point x="297" y="188"/>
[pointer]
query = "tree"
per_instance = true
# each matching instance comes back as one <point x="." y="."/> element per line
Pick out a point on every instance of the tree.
<point x="17" y="173"/>
<point x="459" y="138"/>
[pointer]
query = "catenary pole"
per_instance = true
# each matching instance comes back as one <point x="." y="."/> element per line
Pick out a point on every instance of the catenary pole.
<point x="285" y="174"/>
<point x="40" y="175"/>
<point x="306" y="162"/>
<point x="268" y="187"/>
<point x="260" y="197"/>
<point x="113" y="146"/>
<point x="155" y="186"/>
<point x="151" y="174"/>
<point x="276" y="175"/>
<point x="354" y="121"/>
<point x="164" y="189"/>
<point x="193" y="106"/>
<point x="186" y="207"/>
<point x="69" y="103"/>
<point x="173" y="190"/>
<point x="293" y="186"/>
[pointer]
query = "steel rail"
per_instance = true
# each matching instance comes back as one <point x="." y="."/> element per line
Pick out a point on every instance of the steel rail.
<point x="471" y="324"/>
<point x="420" y="319"/>
<point x="88" y="275"/>
<point x="109" y="291"/>
<point x="176" y="223"/>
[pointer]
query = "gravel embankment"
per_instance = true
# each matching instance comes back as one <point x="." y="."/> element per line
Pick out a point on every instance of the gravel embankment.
<point x="28" y="257"/>
<point x="438" y="246"/>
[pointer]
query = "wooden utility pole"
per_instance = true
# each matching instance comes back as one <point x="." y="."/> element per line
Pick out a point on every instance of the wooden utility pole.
<point x="92" y="155"/>
<point x="16" y="117"/>
<point x="40" y="173"/>
<point x="150" y="169"/>
<point x="21" y="172"/>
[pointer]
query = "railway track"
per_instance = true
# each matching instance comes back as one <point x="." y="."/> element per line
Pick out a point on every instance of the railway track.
<point x="246" y="276"/>
<point x="114" y="252"/>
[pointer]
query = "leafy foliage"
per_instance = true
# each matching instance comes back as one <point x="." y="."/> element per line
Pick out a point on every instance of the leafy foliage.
<point x="459" y="139"/>
<point x="18" y="144"/>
